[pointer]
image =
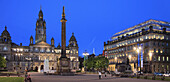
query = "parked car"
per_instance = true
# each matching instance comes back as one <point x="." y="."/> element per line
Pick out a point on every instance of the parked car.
<point x="158" y="74"/>
<point x="166" y="75"/>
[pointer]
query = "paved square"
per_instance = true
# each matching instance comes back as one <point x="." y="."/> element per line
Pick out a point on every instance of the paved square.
<point x="39" y="77"/>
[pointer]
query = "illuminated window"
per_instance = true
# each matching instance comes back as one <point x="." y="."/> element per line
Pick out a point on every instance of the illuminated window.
<point x="21" y="50"/>
<point x="156" y="51"/>
<point x="146" y="37"/>
<point x="153" y="36"/>
<point x="167" y="67"/>
<point x="162" y="66"/>
<point x="48" y="50"/>
<point x="167" y="59"/>
<point x="5" y="48"/>
<point x="161" y="51"/>
<point x="158" y="37"/>
<point x="42" y="50"/>
<point x="163" y="58"/>
<point x="162" y="37"/>
<point x="159" y="58"/>
<point x="14" y="49"/>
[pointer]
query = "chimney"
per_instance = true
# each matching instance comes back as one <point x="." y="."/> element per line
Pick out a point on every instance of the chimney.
<point x="104" y="43"/>
<point x="164" y="30"/>
<point x="107" y="42"/>
<point x="20" y="44"/>
<point x="151" y="28"/>
<point x="143" y="31"/>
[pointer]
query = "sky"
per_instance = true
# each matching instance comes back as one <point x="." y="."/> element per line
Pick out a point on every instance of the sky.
<point x="92" y="21"/>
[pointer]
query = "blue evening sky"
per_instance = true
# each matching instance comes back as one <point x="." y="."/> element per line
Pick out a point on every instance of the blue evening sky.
<point x="92" y="21"/>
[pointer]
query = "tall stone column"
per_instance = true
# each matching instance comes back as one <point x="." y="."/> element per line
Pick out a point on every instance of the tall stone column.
<point x="64" y="64"/>
<point x="63" y="35"/>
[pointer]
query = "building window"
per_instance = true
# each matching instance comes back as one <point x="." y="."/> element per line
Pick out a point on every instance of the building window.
<point x="154" y="36"/>
<point x="163" y="58"/>
<point x="161" y="51"/>
<point x="167" y="59"/>
<point x="162" y="44"/>
<point x="154" y="50"/>
<point x="5" y="48"/>
<point x="154" y="43"/>
<point x="162" y="66"/>
<point x="42" y="49"/>
<point x="158" y="50"/>
<point x="159" y="58"/>
<point x="158" y="44"/>
<point x="167" y="67"/>
<point x="146" y="37"/>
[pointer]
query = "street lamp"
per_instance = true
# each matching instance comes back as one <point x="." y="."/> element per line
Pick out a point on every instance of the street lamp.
<point x="85" y="58"/>
<point x="130" y="57"/>
<point x="116" y="59"/>
<point x="85" y="55"/>
<point x="137" y="56"/>
<point x="116" y="63"/>
<point x="150" y="57"/>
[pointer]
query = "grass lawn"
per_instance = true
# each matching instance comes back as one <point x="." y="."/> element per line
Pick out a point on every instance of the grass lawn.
<point x="11" y="79"/>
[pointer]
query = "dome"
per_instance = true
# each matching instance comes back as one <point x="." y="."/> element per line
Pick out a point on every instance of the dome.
<point x="5" y="32"/>
<point x="72" y="38"/>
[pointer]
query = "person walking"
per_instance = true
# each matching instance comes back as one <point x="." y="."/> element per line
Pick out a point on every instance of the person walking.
<point x="100" y="75"/>
<point x="29" y="78"/>
<point x="105" y="74"/>
<point x="26" y="77"/>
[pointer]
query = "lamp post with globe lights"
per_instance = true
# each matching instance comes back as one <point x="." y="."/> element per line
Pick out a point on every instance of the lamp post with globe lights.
<point x="116" y="60"/>
<point x="86" y="54"/>
<point x="138" y="49"/>
<point x="150" y="58"/>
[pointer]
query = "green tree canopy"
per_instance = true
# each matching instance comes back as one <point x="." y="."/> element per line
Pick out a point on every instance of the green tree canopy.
<point x="2" y="62"/>
<point x="98" y="63"/>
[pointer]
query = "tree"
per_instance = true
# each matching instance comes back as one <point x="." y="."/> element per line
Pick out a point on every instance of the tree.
<point x="101" y="63"/>
<point x="2" y="62"/>
<point x="90" y="63"/>
<point x="98" y="63"/>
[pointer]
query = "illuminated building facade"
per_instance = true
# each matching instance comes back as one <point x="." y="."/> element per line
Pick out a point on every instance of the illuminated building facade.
<point x="146" y="45"/>
<point x="32" y="57"/>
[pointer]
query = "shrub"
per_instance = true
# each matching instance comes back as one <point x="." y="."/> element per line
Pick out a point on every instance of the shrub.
<point x="78" y="71"/>
<point x="163" y="78"/>
<point x="4" y="70"/>
<point x="145" y="77"/>
<point x="153" y="78"/>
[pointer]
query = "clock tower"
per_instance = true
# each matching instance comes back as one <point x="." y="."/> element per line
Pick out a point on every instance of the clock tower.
<point x="40" y="28"/>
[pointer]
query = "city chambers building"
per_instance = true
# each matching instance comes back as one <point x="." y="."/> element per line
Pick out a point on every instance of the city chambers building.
<point x="32" y="57"/>
<point x="144" y="47"/>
